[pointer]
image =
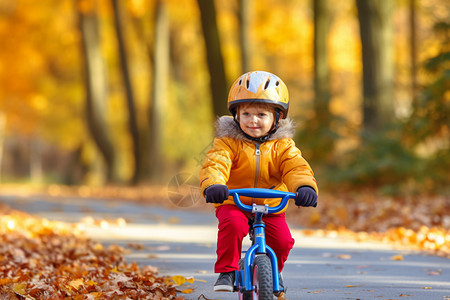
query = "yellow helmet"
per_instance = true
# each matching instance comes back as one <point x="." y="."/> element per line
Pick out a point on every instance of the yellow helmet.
<point x="259" y="86"/>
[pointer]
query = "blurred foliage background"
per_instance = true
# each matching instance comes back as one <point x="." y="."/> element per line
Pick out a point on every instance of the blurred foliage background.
<point x="98" y="92"/>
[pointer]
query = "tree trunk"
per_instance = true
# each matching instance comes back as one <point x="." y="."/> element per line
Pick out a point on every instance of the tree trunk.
<point x="2" y="141"/>
<point x="322" y="117"/>
<point x="214" y="57"/>
<point x="159" y="89"/>
<point x="244" y="34"/>
<point x="375" y="19"/>
<point x="95" y="83"/>
<point x="132" y="119"/>
<point x="413" y="47"/>
<point x="36" y="172"/>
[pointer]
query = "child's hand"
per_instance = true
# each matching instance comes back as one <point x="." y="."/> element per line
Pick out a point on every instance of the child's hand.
<point x="306" y="196"/>
<point x="216" y="193"/>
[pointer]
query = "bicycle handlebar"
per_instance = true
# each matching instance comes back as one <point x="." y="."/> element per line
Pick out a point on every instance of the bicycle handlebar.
<point x="261" y="193"/>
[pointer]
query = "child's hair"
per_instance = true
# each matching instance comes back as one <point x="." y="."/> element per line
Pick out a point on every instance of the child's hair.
<point x="267" y="106"/>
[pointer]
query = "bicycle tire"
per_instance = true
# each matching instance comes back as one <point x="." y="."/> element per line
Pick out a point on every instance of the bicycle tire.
<point x="262" y="278"/>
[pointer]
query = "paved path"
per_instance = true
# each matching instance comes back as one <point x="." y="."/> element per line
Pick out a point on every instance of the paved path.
<point x="182" y="242"/>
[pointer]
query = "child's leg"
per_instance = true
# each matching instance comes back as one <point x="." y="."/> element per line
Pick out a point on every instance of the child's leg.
<point x="278" y="237"/>
<point x="233" y="227"/>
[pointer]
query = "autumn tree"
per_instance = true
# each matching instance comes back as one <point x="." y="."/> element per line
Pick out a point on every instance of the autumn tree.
<point x="429" y="124"/>
<point x="95" y="86"/>
<point x="132" y="118"/>
<point x="375" y="19"/>
<point x="413" y="47"/>
<point x="322" y="116"/>
<point x="218" y="83"/>
<point x="244" y="15"/>
<point x="159" y="88"/>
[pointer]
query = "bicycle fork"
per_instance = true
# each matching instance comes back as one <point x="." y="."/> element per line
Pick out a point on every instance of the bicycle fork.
<point x="259" y="247"/>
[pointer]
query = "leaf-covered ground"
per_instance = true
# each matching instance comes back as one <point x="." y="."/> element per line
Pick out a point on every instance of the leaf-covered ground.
<point x="41" y="259"/>
<point x="421" y="223"/>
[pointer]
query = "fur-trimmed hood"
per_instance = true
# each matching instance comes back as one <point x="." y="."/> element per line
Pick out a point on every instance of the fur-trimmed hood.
<point x="227" y="127"/>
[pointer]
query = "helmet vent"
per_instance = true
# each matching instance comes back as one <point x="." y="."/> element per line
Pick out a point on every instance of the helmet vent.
<point x="240" y="82"/>
<point x="267" y="84"/>
<point x="248" y="83"/>
<point x="277" y="83"/>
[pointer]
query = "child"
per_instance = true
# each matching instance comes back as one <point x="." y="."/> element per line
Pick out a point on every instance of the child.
<point x="254" y="148"/>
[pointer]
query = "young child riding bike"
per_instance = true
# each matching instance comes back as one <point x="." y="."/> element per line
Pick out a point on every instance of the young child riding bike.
<point x="254" y="149"/>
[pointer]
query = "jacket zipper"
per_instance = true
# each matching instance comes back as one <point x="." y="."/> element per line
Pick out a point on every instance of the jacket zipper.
<point x="258" y="154"/>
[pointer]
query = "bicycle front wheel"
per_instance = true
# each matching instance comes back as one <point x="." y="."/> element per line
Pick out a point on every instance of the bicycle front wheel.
<point x="262" y="278"/>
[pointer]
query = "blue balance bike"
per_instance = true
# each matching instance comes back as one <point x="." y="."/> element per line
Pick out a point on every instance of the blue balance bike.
<point x="257" y="277"/>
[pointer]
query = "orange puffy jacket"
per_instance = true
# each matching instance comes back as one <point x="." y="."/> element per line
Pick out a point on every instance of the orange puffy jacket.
<point x="238" y="162"/>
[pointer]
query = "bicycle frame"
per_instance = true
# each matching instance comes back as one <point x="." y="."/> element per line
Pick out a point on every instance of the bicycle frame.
<point x="259" y="246"/>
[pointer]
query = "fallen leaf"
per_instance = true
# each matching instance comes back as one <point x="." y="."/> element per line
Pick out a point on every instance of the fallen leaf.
<point x="190" y="280"/>
<point x="20" y="288"/>
<point x="362" y="267"/>
<point x="115" y="270"/>
<point x="91" y="283"/>
<point x="4" y="281"/>
<point x="76" y="283"/>
<point x="281" y="296"/>
<point x="179" y="280"/>
<point x="187" y="291"/>
<point x="435" y="272"/>
<point x="352" y="286"/>
<point x="397" y="257"/>
<point x="316" y="292"/>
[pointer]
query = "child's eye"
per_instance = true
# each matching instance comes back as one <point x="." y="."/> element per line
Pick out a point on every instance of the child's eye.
<point x="262" y="114"/>
<point x="245" y="113"/>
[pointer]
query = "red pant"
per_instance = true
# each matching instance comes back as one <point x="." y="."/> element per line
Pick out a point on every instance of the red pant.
<point x="233" y="227"/>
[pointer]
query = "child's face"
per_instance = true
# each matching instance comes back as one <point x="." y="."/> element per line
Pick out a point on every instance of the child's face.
<point x="256" y="121"/>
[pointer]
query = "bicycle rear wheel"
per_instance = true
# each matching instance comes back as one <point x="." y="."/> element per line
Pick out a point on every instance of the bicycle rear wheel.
<point x="262" y="278"/>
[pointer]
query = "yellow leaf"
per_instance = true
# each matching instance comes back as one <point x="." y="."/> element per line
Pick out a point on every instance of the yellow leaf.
<point x="190" y="280"/>
<point x="20" y="288"/>
<point x="351" y="286"/>
<point x="91" y="283"/>
<point x="427" y="287"/>
<point x="115" y="270"/>
<point x="187" y="291"/>
<point x="98" y="247"/>
<point x="4" y="281"/>
<point x="179" y="280"/>
<point x="76" y="283"/>
<point x="281" y="296"/>
<point x="344" y="256"/>
<point x="397" y="257"/>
